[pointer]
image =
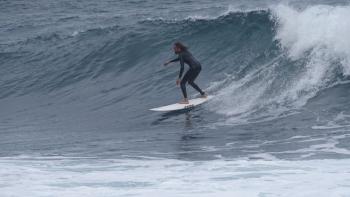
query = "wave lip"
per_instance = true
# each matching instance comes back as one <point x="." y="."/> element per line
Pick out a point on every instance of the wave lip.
<point x="315" y="28"/>
<point x="313" y="54"/>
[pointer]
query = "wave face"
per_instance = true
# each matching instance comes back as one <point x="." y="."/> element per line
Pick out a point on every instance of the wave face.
<point x="260" y="64"/>
<point x="66" y="71"/>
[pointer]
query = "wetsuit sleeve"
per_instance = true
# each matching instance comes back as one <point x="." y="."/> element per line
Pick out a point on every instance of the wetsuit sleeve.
<point x="175" y="60"/>
<point x="182" y="64"/>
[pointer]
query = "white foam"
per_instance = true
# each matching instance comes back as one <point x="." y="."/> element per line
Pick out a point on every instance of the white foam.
<point x="240" y="99"/>
<point x="320" y="34"/>
<point x="318" y="28"/>
<point x="316" y="37"/>
<point x="323" y="146"/>
<point x="341" y="120"/>
<point x="169" y="177"/>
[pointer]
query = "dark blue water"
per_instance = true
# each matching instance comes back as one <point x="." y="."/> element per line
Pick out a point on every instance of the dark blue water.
<point x="78" y="79"/>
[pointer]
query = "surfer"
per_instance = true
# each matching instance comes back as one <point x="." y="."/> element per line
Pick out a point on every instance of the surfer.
<point x="184" y="56"/>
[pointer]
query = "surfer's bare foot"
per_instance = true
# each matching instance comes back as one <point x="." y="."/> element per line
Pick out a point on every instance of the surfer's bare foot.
<point x="184" y="101"/>
<point x="205" y="95"/>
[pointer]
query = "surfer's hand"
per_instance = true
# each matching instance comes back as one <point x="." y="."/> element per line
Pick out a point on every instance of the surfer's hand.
<point x="166" y="63"/>
<point x="178" y="81"/>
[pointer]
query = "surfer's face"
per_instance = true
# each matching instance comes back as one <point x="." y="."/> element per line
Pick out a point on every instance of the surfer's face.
<point x="177" y="50"/>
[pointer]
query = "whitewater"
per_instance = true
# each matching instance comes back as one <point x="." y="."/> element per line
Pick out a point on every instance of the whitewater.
<point x="78" y="79"/>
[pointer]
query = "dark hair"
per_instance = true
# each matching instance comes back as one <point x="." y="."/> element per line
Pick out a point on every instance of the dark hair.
<point x="180" y="46"/>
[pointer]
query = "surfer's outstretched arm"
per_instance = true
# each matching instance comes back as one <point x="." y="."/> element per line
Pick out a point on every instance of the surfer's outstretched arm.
<point x="174" y="60"/>
<point x="171" y="61"/>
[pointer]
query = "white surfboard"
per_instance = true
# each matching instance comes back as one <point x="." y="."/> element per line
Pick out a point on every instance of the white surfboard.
<point x="178" y="106"/>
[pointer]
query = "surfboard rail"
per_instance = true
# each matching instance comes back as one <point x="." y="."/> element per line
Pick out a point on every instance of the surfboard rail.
<point x="177" y="106"/>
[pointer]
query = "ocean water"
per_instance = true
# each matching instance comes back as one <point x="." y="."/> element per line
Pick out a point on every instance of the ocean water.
<point x="78" y="77"/>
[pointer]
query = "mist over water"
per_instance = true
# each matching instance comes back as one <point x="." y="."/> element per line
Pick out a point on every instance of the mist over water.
<point x="78" y="80"/>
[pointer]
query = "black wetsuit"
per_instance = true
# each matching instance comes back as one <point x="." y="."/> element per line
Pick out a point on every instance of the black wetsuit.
<point x="191" y="74"/>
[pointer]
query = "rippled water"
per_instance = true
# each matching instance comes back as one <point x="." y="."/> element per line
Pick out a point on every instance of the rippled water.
<point x="78" y="78"/>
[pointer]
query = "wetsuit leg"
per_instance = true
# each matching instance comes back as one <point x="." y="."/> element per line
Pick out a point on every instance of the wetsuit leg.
<point x="189" y="77"/>
<point x="193" y="76"/>
<point x="183" y="83"/>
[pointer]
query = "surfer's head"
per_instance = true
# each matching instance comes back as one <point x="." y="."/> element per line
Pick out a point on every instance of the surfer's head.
<point x="179" y="47"/>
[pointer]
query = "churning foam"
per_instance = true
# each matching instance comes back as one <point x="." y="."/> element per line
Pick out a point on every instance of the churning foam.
<point x="320" y="34"/>
<point x="170" y="177"/>
<point x="317" y="28"/>
<point x="316" y="43"/>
